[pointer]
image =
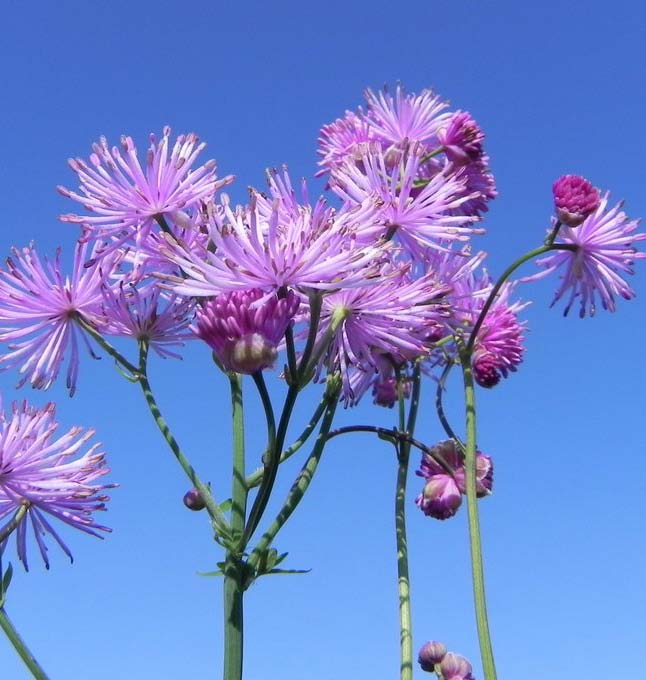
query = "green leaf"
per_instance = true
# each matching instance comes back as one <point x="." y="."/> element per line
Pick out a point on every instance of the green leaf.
<point x="219" y="572"/>
<point x="6" y="579"/>
<point x="289" y="571"/>
<point x="225" y="506"/>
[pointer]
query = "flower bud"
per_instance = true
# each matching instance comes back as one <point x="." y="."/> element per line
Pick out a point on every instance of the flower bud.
<point x="456" y="667"/>
<point x="193" y="500"/>
<point x="430" y="654"/>
<point x="575" y="198"/>
<point x="385" y="391"/>
<point x="440" y="497"/>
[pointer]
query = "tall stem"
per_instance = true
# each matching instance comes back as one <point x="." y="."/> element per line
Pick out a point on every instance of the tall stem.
<point x="234" y="569"/>
<point x="403" y="577"/>
<point x="20" y="646"/>
<point x="477" y="569"/>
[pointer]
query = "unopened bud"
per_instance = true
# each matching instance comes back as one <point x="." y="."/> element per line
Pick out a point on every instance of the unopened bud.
<point x="193" y="500"/>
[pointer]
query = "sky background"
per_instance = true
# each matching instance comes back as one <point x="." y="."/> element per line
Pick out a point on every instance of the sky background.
<point x="558" y="88"/>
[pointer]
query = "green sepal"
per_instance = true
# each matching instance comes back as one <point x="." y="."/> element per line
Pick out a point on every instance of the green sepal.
<point x="6" y="580"/>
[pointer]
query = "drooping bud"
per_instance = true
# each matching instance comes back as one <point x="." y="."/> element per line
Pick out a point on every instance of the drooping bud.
<point x="430" y="654"/>
<point x="244" y="328"/>
<point x="193" y="500"/>
<point x="484" y="476"/>
<point x="485" y="371"/>
<point x="385" y="391"/>
<point x="440" y="497"/>
<point x="461" y="138"/>
<point x="575" y="198"/>
<point x="456" y="667"/>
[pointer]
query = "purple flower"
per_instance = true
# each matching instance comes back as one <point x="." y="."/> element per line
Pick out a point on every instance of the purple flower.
<point x="421" y="217"/>
<point x="603" y="252"/>
<point x="461" y="138"/>
<point x="278" y="244"/>
<point x="124" y="196"/>
<point x="193" y="500"/>
<point x="385" y="322"/>
<point x="145" y="313"/>
<point x="456" y="667"/>
<point x="575" y="198"/>
<point x="339" y="140"/>
<point x="38" y="472"/>
<point x="38" y="309"/>
<point x="442" y="493"/>
<point x="244" y="328"/>
<point x="386" y="391"/>
<point x="430" y="654"/>
<point x="406" y="117"/>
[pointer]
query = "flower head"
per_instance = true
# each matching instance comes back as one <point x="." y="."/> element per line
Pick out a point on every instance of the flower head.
<point x="146" y="313"/>
<point x="442" y="493"/>
<point x="575" y="198"/>
<point x="38" y="473"/>
<point x="461" y="138"/>
<point x="456" y="667"/>
<point x="123" y="197"/>
<point x="39" y="306"/>
<point x="602" y="253"/>
<point x="278" y="244"/>
<point x="245" y="328"/>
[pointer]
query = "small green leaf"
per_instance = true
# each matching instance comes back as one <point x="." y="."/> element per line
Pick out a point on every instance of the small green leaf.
<point x="289" y="571"/>
<point x="6" y="579"/>
<point x="219" y="572"/>
<point x="225" y="506"/>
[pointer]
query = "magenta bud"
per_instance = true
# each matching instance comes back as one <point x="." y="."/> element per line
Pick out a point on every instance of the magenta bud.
<point x="440" y="497"/>
<point x="430" y="654"/>
<point x="193" y="500"/>
<point x="574" y="198"/>
<point x="455" y="667"/>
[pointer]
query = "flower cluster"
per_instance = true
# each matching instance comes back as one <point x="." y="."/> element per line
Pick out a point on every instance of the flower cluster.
<point x="434" y="658"/>
<point x="40" y="477"/>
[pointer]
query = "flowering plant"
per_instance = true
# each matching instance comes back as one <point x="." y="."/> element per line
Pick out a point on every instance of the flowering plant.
<point x="374" y="289"/>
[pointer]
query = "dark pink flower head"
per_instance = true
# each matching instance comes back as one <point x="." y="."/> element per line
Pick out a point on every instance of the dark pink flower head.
<point x="499" y="348"/>
<point x="386" y="390"/>
<point x="145" y="312"/>
<point x="245" y="328"/>
<point x="38" y="471"/>
<point x="279" y="244"/>
<point x="456" y="667"/>
<point x="575" y="198"/>
<point x="603" y="253"/>
<point x="430" y="654"/>
<point x="442" y="493"/>
<point x="125" y="197"/>
<point x="461" y="138"/>
<point x="38" y="308"/>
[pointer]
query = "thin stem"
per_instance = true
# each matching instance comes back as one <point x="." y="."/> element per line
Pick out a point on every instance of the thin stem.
<point x="212" y="506"/>
<point x="12" y="524"/>
<point x="300" y="485"/>
<point x="501" y="281"/>
<point x="268" y="408"/>
<point x="477" y="569"/>
<point x="316" y="302"/>
<point x="255" y="478"/>
<point x="19" y="645"/>
<point x="115" y="354"/>
<point x="234" y="569"/>
<point x="439" y="407"/>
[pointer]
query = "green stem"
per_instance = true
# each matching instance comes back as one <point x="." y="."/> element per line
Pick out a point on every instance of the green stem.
<point x="234" y="569"/>
<point x="501" y="281"/>
<point x="300" y="485"/>
<point x="212" y="507"/>
<point x="104" y="344"/>
<point x="477" y="569"/>
<point x="12" y="524"/>
<point x="406" y="427"/>
<point x="439" y="406"/>
<point x="20" y="646"/>
<point x="255" y="478"/>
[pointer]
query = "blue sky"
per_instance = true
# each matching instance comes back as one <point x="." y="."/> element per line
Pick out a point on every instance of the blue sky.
<point x="558" y="88"/>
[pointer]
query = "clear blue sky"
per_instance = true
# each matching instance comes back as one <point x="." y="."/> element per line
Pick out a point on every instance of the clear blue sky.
<point x="559" y="88"/>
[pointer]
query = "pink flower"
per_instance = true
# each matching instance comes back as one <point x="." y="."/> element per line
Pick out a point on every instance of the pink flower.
<point x="575" y="198"/>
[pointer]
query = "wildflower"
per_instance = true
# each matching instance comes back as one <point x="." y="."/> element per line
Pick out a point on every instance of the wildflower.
<point x="456" y="667"/>
<point x="430" y="654"/>
<point x="39" y="307"/>
<point x="442" y="493"/>
<point x="602" y="253"/>
<point x="123" y="196"/>
<point x="38" y="472"/>
<point x="145" y="313"/>
<point x="244" y="328"/>
<point x="461" y="138"/>
<point x="288" y="245"/>
<point x="575" y="198"/>
<point x="420" y="217"/>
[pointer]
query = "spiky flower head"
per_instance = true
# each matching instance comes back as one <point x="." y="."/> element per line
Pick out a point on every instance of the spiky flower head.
<point x="39" y="306"/>
<point x="125" y="197"/>
<point x="461" y="138"/>
<point x="41" y="476"/>
<point x="602" y="253"/>
<point x="575" y="198"/>
<point x="245" y="328"/>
